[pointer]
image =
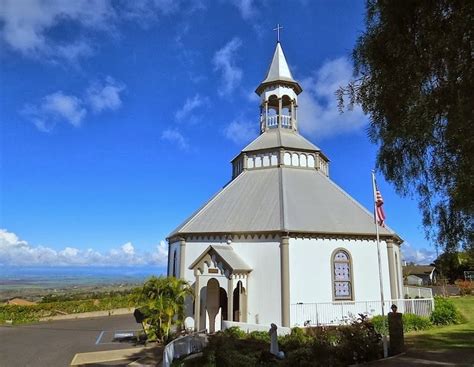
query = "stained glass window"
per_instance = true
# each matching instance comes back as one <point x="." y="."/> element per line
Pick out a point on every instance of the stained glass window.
<point x="342" y="275"/>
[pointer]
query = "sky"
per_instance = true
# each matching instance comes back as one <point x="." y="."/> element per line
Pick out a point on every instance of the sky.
<point x="119" y="119"/>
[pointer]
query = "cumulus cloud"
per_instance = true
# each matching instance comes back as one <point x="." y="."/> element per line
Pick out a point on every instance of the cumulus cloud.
<point x="189" y="106"/>
<point x="175" y="137"/>
<point x="105" y="95"/>
<point x="422" y="256"/>
<point x="15" y="251"/>
<point x="27" y="25"/>
<point x="56" y="107"/>
<point x="241" y="131"/>
<point x="318" y="113"/>
<point x="59" y="107"/>
<point x="224" y="63"/>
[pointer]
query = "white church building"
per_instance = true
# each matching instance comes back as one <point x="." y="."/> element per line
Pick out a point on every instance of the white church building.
<point x="281" y="242"/>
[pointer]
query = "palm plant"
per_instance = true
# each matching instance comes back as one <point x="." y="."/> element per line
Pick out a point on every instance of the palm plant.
<point x="162" y="300"/>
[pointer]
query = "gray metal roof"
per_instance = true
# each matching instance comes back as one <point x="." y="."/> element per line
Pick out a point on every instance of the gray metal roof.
<point x="281" y="199"/>
<point x="227" y="255"/>
<point x="279" y="137"/>
<point x="279" y="71"/>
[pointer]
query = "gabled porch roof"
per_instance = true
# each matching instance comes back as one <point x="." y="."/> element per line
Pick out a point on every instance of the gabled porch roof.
<point x="227" y="256"/>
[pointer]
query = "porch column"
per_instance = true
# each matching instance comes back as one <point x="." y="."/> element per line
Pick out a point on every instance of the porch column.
<point x="230" y="298"/>
<point x="391" y="270"/>
<point x="285" y="280"/>
<point x="182" y="257"/>
<point x="197" y="300"/>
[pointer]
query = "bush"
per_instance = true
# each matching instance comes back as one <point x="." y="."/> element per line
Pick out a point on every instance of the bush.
<point x="466" y="287"/>
<point x="296" y="339"/>
<point x="260" y="335"/>
<point x="445" y="312"/>
<point x="235" y="332"/>
<point x="411" y="322"/>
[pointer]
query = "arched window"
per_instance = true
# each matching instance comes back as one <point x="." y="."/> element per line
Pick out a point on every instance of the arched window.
<point x="342" y="276"/>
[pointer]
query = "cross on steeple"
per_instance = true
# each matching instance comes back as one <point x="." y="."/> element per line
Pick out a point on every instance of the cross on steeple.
<point x="277" y="29"/>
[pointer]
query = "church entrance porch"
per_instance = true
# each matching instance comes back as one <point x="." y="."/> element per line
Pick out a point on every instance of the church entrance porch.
<point x="221" y="287"/>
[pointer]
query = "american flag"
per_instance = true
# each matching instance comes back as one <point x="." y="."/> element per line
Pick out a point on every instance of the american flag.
<point x="379" y="213"/>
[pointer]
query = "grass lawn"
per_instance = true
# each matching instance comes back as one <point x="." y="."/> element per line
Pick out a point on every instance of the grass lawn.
<point x="454" y="342"/>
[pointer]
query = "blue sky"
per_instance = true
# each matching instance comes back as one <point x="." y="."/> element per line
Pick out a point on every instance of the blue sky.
<point x="119" y="119"/>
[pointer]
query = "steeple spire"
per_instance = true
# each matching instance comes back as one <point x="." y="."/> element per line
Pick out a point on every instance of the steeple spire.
<point x="278" y="94"/>
<point x="279" y="71"/>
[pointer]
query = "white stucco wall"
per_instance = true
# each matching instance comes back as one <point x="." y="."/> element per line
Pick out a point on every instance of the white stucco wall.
<point x="263" y="288"/>
<point x="311" y="269"/>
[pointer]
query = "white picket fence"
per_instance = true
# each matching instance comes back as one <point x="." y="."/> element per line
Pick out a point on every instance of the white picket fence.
<point x="417" y="292"/>
<point x="337" y="313"/>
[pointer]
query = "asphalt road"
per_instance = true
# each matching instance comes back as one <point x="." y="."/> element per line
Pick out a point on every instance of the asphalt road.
<point x="54" y="343"/>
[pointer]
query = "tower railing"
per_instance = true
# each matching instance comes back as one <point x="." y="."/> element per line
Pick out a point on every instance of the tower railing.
<point x="272" y="121"/>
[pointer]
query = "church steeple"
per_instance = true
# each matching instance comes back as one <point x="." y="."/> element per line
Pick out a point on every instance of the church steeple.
<point x="278" y="93"/>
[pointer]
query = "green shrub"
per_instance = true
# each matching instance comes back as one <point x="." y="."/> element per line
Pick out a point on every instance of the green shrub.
<point x="411" y="322"/>
<point x="445" y="312"/>
<point x="235" y="332"/>
<point x="359" y="342"/>
<point x="296" y="339"/>
<point x="260" y="335"/>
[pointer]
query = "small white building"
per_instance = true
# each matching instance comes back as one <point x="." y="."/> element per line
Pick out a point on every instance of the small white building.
<point x="281" y="234"/>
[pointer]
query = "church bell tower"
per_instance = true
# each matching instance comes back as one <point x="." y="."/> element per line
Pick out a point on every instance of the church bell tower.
<point x="278" y="95"/>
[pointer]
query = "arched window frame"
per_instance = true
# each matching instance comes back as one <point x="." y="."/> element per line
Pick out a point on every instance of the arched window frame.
<point x="350" y="281"/>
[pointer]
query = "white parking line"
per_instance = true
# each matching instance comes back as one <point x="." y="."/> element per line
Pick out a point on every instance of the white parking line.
<point x="99" y="337"/>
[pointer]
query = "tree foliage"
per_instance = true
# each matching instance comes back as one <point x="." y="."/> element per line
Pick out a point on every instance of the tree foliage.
<point x="162" y="301"/>
<point x="414" y="79"/>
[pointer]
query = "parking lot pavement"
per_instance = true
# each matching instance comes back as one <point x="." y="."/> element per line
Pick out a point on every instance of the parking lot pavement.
<point x="55" y="343"/>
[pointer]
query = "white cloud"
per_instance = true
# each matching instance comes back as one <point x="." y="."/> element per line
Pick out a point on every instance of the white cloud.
<point x="160" y="255"/>
<point x="246" y="8"/>
<point x="189" y="106"/>
<point x="318" y="113"/>
<point x="224" y="63"/>
<point x="54" y="108"/>
<point x="105" y="95"/>
<point x="128" y="248"/>
<point x="59" y="107"/>
<point x="241" y="131"/>
<point x="422" y="256"/>
<point x="27" y="25"/>
<point x="14" y="251"/>
<point x="174" y="136"/>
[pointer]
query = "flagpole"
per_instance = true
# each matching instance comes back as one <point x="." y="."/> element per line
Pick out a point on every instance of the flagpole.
<point x="384" y="337"/>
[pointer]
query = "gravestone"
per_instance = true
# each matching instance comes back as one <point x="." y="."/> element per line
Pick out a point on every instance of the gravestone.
<point x="395" y="331"/>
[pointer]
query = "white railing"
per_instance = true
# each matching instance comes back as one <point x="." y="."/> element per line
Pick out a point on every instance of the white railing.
<point x="272" y="121"/>
<point x="183" y="346"/>
<point x="286" y="121"/>
<point x="337" y="313"/>
<point x="419" y="292"/>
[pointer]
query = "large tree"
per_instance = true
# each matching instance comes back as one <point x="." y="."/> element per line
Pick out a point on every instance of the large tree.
<point x="414" y="78"/>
